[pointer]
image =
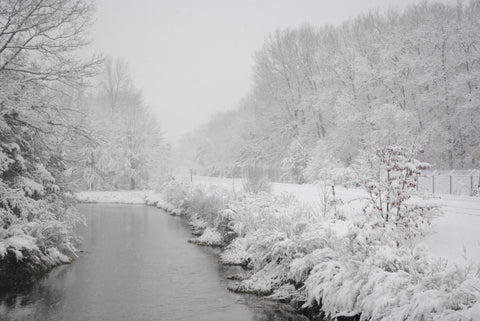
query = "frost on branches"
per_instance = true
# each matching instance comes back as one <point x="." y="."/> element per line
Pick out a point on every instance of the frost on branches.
<point x="390" y="177"/>
<point x="35" y="221"/>
<point x="38" y="72"/>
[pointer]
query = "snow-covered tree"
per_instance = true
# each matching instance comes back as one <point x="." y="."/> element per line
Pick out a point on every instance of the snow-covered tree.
<point x="390" y="177"/>
<point x="396" y="78"/>
<point x="127" y="149"/>
<point x="38" y="39"/>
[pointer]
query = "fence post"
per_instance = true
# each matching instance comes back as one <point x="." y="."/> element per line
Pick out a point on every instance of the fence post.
<point x="191" y="175"/>
<point x="450" y="184"/>
<point x="471" y="185"/>
<point x="433" y="184"/>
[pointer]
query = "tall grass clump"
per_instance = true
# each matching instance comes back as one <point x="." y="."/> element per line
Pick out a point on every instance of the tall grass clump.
<point x="175" y="193"/>
<point x="207" y="203"/>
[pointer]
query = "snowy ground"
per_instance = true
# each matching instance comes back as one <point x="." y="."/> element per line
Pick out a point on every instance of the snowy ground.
<point x="456" y="234"/>
<point x="121" y="197"/>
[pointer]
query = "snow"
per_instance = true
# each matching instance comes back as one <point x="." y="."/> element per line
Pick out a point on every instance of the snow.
<point x="210" y="237"/>
<point x="29" y="186"/>
<point x="235" y="253"/>
<point x="121" y="197"/>
<point x="347" y="263"/>
<point x="43" y="174"/>
<point x="17" y="244"/>
<point x="455" y="233"/>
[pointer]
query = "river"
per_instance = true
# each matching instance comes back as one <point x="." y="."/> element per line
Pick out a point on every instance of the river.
<point x="136" y="264"/>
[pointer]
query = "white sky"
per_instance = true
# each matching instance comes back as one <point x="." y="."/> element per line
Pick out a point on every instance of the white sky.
<point x="192" y="58"/>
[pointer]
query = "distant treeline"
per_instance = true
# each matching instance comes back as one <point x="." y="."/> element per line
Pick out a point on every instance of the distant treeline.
<point x="321" y="95"/>
<point x="125" y="147"/>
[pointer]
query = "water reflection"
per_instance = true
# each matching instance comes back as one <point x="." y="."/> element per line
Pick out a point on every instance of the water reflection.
<point x="137" y="265"/>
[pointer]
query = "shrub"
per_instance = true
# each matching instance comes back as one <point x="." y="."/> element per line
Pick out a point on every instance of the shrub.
<point x="256" y="182"/>
<point x="207" y="204"/>
<point x="175" y="192"/>
<point x="390" y="177"/>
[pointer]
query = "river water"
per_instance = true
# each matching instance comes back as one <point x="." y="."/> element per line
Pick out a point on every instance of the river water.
<point x="136" y="264"/>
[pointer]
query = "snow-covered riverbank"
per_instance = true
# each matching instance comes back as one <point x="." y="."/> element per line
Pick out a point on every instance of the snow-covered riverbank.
<point x="292" y="252"/>
<point x="455" y="233"/>
<point x="115" y="197"/>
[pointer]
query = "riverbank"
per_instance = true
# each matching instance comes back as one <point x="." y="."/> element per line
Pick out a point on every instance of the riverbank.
<point x="135" y="264"/>
<point x="341" y="263"/>
<point x="30" y="247"/>
<point x="18" y="274"/>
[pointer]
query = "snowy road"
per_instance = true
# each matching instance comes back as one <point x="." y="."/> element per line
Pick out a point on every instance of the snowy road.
<point x="456" y="233"/>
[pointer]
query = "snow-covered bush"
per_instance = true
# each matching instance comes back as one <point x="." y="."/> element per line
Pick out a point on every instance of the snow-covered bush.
<point x="346" y="267"/>
<point x="349" y="267"/>
<point x="386" y="283"/>
<point x="272" y="232"/>
<point x="390" y="177"/>
<point x="207" y="203"/>
<point x="295" y="163"/>
<point x="175" y="192"/>
<point x="203" y="206"/>
<point x="36" y="220"/>
<point x="256" y="182"/>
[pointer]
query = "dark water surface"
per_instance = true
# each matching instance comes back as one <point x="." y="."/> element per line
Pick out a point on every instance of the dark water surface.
<point x="136" y="264"/>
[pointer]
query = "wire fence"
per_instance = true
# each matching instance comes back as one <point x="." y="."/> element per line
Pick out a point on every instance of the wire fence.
<point x="449" y="184"/>
<point x="432" y="183"/>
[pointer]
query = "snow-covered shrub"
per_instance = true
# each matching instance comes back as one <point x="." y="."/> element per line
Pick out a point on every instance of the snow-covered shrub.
<point x="209" y="237"/>
<point x="207" y="203"/>
<point x="390" y="177"/>
<point x="386" y="283"/>
<point x="328" y="177"/>
<point x="175" y="192"/>
<point x="321" y="157"/>
<point x="327" y="172"/>
<point x="295" y="162"/>
<point x="256" y="182"/>
<point x="202" y="206"/>
<point x="36" y="220"/>
<point x="273" y="231"/>
<point x="350" y="267"/>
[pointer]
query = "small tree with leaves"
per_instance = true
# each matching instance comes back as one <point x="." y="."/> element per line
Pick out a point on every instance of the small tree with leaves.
<point x="390" y="177"/>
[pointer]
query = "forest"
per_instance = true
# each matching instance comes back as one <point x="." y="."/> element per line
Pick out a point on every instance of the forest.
<point x="321" y="95"/>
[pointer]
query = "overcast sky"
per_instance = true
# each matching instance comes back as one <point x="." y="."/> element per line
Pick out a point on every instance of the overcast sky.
<point x="192" y="58"/>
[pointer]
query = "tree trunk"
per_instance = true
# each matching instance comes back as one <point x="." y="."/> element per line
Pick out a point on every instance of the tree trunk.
<point x="132" y="183"/>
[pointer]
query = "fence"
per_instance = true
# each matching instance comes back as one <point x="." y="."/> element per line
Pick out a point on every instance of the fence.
<point x="463" y="183"/>
<point x="274" y="174"/>
<point x="449" y="184"/>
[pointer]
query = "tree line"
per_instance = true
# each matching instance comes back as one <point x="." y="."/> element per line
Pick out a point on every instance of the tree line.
<point x="322" y="95"/>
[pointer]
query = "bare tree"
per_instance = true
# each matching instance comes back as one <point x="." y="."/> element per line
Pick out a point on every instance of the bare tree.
<point x="38" y="39"/>
<point x="115" y="80"/>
